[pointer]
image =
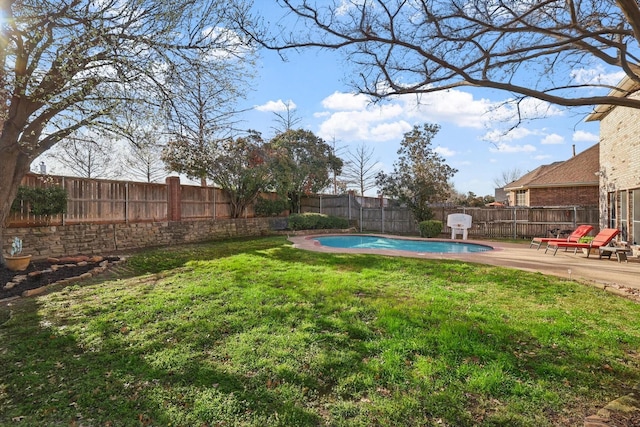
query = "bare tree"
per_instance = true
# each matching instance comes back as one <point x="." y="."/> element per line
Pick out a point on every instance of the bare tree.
<point x="200" y="111"/>
<point x="528" y="48"/>
<point x="87" y="156"/>
<point x="144" y="161"/>
<point x="507" y="176"/>
<point x="287" y="119"/>
<point x="68" y="64"/>
<point x="145" y="134"/>
<point x="337" y="185"/>
<point x="361" y="168"/>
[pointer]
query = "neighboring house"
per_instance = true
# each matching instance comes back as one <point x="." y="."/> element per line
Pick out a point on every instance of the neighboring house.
<point x="573" y="182"/>
<point x="620" y="165"/>
<point x="501" y="196"/>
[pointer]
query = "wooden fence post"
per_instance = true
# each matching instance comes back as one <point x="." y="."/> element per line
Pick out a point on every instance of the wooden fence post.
<point x="174" y="202"/>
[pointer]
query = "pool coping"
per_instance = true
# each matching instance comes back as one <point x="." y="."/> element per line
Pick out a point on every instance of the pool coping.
<point x="308" y="242"/>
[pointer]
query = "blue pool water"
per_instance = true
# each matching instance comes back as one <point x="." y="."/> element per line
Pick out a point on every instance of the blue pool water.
<point x="376" y="242"/>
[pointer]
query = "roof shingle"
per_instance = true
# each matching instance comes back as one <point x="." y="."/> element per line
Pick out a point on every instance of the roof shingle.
<point x="580" y="170"/>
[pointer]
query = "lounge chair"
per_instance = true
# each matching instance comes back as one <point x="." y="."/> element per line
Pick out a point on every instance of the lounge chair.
<point x="575" y="236"/>
<point x="603" y="238"/>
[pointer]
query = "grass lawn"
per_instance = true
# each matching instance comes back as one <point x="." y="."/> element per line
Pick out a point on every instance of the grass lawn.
<point x="256" y="333"/>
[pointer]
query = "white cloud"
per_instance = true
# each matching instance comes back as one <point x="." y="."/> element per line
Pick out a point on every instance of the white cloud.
<point x="596" y="76"/>
<point x="235" y="46"/>
<point x="352" y="117"/>
<point x="446" y="152"/>
<point x="582" y="136"/>
<point x="276" y="106"/>
<point x="498" y="136"/>
<point x="506" y="148"/>
<point x="531" y="108"/>
<point x="460" y="108"/>
<point x="553" y="138"/>
<point x="509" y="113"/>
<point x="390" y="131"/>
<point x="345" y="6"/>
<point x="452" y="106"/>
<point x="375" y="122"/>
<point x="341" y="101"/>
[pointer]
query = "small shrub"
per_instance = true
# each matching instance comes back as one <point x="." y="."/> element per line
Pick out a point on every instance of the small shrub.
<point x="431" y="228"/>
<point x="313" y="221"/>
<point x="268" y="207"/>
<point x="45" y="201"/>
<point x="586" y="239"/>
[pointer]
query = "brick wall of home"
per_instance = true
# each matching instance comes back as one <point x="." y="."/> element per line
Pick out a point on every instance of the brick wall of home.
<point x="55" y="241"/>
<point x="620" y="149"/>
<point x="564" y="196"/>
<point x="619" y="158"/>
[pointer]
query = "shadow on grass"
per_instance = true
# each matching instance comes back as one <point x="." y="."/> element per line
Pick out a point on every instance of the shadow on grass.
<point x="51" y="378"/>
<point x="349" y="347"/>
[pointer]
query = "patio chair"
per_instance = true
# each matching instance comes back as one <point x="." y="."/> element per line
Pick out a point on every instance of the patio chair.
<point x="575" y="236"/>
<point x="603" y="238"/>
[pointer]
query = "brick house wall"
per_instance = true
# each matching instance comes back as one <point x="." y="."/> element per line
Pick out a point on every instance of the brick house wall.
<point x="620" y="166"/>
<point x="564" y="196"/>
<point x="572" y="182"/>
<point x="620" y="149"/>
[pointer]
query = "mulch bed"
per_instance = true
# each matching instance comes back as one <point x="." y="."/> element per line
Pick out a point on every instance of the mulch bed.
<point x="46" y="272"/>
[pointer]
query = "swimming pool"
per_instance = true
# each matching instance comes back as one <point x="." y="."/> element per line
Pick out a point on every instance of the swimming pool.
<point x="378" y="242"/>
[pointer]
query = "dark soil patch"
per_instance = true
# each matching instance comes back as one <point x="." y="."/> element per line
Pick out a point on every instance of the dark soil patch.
<point x="46" y="276"/>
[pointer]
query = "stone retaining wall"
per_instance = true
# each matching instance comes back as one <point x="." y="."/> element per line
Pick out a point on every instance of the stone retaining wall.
<point x="55" y="241"/>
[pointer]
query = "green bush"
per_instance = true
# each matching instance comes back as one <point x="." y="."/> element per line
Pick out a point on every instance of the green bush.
<point x="586" y="239"/>
<point x="268" y="207"/>
<point x="45" y="201"/>
<point x="431" y="228"/>
<point x="314" y="221"/>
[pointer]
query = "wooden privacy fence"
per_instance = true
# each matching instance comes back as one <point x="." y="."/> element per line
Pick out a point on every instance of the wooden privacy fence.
<point x="382" y="215"/>
<point x="523" y="222"/>
<point x="98" y="201"/>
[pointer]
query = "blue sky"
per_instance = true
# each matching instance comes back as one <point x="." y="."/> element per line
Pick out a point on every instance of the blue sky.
<point x="473" y="137"/>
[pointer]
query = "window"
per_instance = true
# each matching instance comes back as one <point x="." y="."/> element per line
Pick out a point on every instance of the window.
<point x="521" y="198"/>
<point x="612" y="210"/>
<point x="624" y="226"/>
<point x="635" y="214"/>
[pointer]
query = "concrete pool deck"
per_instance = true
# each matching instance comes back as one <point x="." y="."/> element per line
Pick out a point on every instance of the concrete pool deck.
<point x="620" y="277"/>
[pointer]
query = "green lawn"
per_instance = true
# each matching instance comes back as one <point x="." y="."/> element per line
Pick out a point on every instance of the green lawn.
<point x="256" y="333"/>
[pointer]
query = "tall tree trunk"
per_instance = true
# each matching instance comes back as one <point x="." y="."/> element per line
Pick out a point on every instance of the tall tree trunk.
<point x="236" y="204"/>
<point x="14" y="165"/>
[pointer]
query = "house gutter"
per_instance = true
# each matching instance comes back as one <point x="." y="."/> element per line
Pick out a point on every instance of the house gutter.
<point x="570" y="184"/>
<point x="625" y="88"/>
